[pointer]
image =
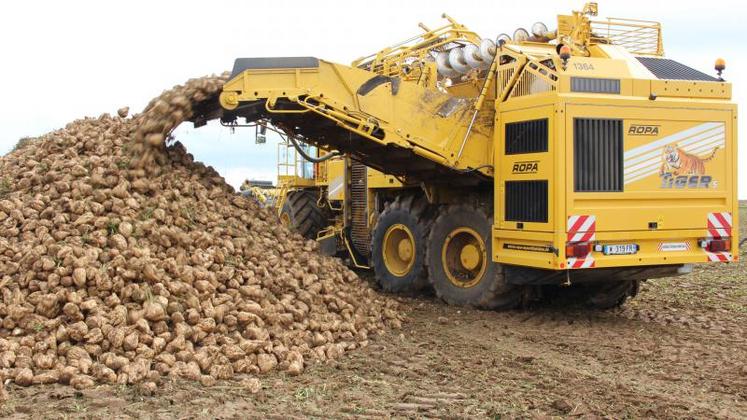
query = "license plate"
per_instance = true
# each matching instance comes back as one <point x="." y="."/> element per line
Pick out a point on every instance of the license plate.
<point x="620" y="249"/>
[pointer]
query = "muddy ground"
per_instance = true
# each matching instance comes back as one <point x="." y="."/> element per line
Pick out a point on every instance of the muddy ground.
<point x="678" y="350"/>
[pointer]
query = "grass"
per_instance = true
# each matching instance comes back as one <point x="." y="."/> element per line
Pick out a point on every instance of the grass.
<point x="234" y="261"/>
<point x="188" y="212"/>
<point x="310" y="394"/>
<point x="147" y="213"/>
<point x="8" y="406"/>
<point x="123" y="163"/>
<point x="112" y="227"/>
<point x="22" y="142"/>
<point x="78" y="407"/>
<point x="5" y="187"/>
<point x="42" y="168"/>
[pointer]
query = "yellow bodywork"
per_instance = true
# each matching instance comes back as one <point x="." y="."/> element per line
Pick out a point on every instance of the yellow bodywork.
<point x="407" y="116"/>
<point x="679" y="138"/>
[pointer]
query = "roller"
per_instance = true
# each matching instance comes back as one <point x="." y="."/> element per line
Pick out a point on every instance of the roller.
<point x="474" y="57"/>
<point x="539" y="29"/>
<point x="540" y="32"/>
<point x="487" y="50"/>
<point x="521" y="35"/>
<point x="502" y="39"/>
<point x="443" y="66"/>
<point x="457" y="61"/>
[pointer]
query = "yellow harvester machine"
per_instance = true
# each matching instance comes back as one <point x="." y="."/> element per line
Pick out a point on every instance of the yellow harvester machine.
<point x="570" y="156"/>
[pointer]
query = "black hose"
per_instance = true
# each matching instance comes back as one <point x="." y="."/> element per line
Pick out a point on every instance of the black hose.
<point x="303" y="154"/>
<point x="468" y="170"/>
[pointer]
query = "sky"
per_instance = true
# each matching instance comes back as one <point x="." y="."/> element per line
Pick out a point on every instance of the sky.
<point x="70" y="59"/>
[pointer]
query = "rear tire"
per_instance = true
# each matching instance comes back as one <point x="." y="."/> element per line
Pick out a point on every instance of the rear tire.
<point x="398" y="245"/>
<point x="611" y="294"/>
<point x="301" y="214"/>
<point x="460" y="265"/>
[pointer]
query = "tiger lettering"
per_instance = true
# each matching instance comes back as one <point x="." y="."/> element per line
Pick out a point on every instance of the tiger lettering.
<point x="678" y="162"/>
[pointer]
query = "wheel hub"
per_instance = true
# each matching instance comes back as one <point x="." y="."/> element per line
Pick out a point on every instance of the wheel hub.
<point x="464" y="257"/>
<point x="404" y="249"/>
<point x="470" y="257"/>
<point x="399" y="250"/>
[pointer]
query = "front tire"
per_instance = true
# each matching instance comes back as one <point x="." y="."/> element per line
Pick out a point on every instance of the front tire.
<point x="460" y="265"/>
<point x="398" y="245"/>
<point x="301" y="214"/>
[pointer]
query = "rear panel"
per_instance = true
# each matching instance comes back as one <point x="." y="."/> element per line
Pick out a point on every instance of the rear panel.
<point x="650" y="183"/>
<point x="527" y="186"/>
<point x="638" y="183"/>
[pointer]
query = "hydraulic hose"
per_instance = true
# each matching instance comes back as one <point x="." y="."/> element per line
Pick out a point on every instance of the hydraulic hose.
<point x="303" y="154"/>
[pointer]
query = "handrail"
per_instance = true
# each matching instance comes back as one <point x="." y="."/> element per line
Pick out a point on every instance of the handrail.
<point x="635" y="35"/>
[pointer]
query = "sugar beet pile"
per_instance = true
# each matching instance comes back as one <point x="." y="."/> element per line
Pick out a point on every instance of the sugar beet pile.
<point x="124" y="261"/>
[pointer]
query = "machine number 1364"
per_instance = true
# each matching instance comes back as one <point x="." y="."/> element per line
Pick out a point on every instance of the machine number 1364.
<point x="583" y="66"/>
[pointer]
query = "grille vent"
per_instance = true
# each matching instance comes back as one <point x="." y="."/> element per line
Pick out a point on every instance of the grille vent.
<point x="592" y="85"/>
<point x="359" y="232"/>
<point x="526" y="201"/>
<point x="664" y="68"/>
<point x="526" y="137"/>
<point x="598" y="155"/>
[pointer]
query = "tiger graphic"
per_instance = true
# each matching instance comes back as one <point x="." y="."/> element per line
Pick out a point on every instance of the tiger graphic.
<point x="678" y="162"/>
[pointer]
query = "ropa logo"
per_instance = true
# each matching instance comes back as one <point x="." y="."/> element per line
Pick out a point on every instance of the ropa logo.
<point x="529" y="167"/>
<point x="643" y="130"/>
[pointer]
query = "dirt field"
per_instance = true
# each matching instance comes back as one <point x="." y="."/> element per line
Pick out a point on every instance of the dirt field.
<point x="678" y="350"/>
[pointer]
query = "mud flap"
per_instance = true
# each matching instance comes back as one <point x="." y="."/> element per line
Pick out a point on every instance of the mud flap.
<point x="328" y="245"/>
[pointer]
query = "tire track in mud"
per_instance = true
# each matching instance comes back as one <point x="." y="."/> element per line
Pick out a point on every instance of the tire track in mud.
<point x="600" y="354"/>
<point x="570" y="363"/>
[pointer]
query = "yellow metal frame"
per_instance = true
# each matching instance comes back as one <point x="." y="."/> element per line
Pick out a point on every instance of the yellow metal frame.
<point x="329" y="95"/>
<point x="408" y="59"/>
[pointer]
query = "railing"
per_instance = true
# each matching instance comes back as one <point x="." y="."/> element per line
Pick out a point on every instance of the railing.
<point x="535" y="78"/>
<point x="504" y="75"/>
<point x="291" y="164"/>
<point x="637" y="36"/>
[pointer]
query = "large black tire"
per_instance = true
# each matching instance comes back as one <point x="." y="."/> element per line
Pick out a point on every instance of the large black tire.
<point x="610" y="294"/>
<point x="302" y="214"/>
<point x="484" y="287"/>
<point x="407" y="215"/>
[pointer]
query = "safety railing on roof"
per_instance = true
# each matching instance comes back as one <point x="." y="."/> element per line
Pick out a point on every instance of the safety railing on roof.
<point x="637" y="36"/>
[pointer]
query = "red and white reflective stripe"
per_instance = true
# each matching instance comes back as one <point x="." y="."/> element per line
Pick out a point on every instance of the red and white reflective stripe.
<point x="582" y="228"/>
<point x="719" y="256"/>
<point x="719" y="225"/>
<point x="587" y="262"/>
